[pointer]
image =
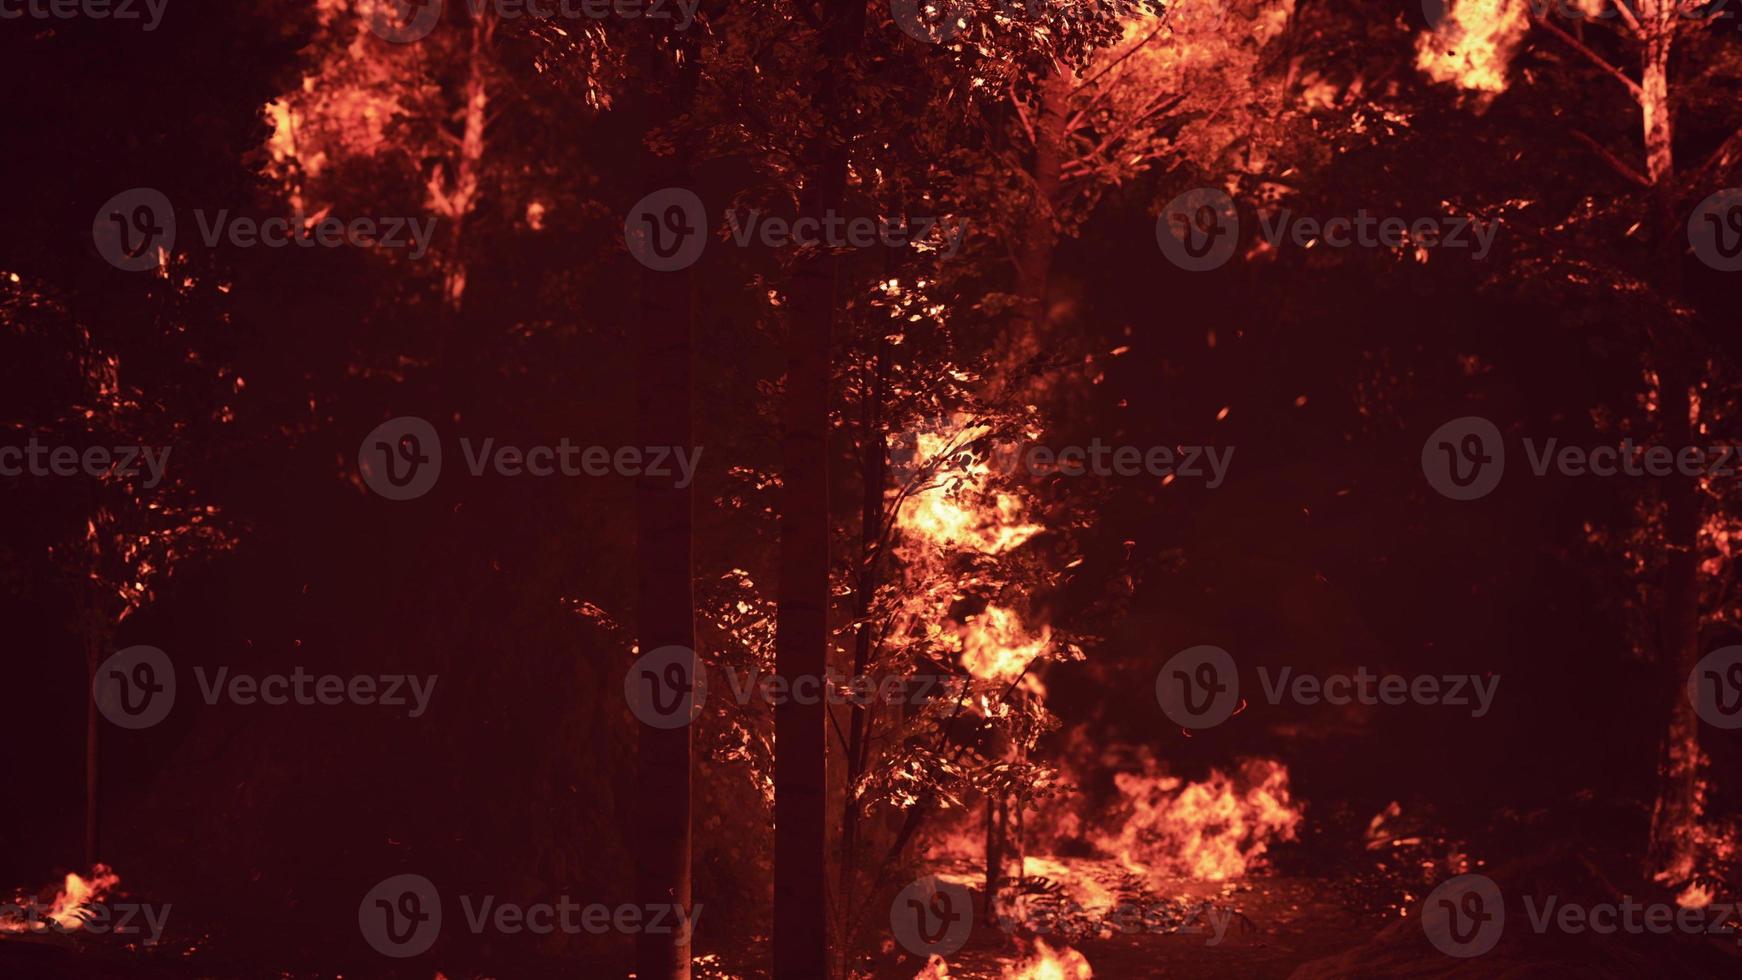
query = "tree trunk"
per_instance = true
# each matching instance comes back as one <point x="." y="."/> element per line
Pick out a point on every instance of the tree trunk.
<point x="1037" y="238"/>
<point x="1003" y="858"/>
<point x="665" y="608"/>
<point x="456" y="199"/>
<point x="801" y="912"/>
<point x="93" y="726"/>
<point x="1676" y="814"/>
<point x="1026" y="337"/>
<point x="873" y="449"/>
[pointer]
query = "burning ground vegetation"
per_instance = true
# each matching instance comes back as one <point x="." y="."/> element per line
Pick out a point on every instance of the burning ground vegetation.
<point x="1124" y="851"/>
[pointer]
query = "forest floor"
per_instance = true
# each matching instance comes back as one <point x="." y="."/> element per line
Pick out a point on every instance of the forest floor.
<point x="1283" y="925"/>
<point x="1278" y="924"/>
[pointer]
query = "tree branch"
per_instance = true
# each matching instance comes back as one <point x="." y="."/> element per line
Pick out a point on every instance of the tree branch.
<point x="1592" y="56"/>
<point x="1620" y="165"/>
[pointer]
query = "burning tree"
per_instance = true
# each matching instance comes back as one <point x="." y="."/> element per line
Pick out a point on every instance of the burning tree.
<point x="1655" y="55"/>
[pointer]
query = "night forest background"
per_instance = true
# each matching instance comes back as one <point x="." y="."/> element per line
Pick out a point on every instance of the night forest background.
<point x="1058" y="132"/>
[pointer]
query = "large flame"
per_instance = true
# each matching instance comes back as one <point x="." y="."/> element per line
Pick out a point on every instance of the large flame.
<point x="1046" y="963"/>
<point x="1214" y="830"/>
<point x="1472" y="47"/>
<point x="71" y="909"/>
<point x="955" y="508"/>
<point x="997" y="646"/>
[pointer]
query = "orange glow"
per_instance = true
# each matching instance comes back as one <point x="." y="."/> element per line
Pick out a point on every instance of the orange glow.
<point x="1047" y="963"/>
<point x="71" y="907"/>
<point x="1215" y="830"/>
<point x="955" y="508"/>
<point x="997" y="647"/>
<point x="1473" y="46"/>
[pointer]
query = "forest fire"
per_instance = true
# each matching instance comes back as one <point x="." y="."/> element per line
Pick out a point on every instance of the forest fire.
<point x="1215" y="830"/>
<point x="371" y="343"/>
<point x="69" y="910"/>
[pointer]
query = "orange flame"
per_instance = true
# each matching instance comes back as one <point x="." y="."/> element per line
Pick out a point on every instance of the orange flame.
<point x="957" y="509"/>
<point x="1047" y="963"/>
<point x="1214" y="830"/>
<point x="71" y="908"/>
<point x="1474" y="45"/>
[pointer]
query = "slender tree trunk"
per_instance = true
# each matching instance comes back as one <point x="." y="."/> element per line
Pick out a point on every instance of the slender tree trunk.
<point x="874" y="448"/>
<point x="665" y="613"/>
<point x="1027" y="336"/>
<point x="93" y="727"/>
<point x="665" y="609"/>
<point x="1037" y="239"/>
<point x="459" y="197"/>
<point x="801" y="908"/>
<point x="1677" y="811"/>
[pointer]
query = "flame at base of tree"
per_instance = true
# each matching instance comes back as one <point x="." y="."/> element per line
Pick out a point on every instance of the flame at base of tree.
<point x="69" y="911"/>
